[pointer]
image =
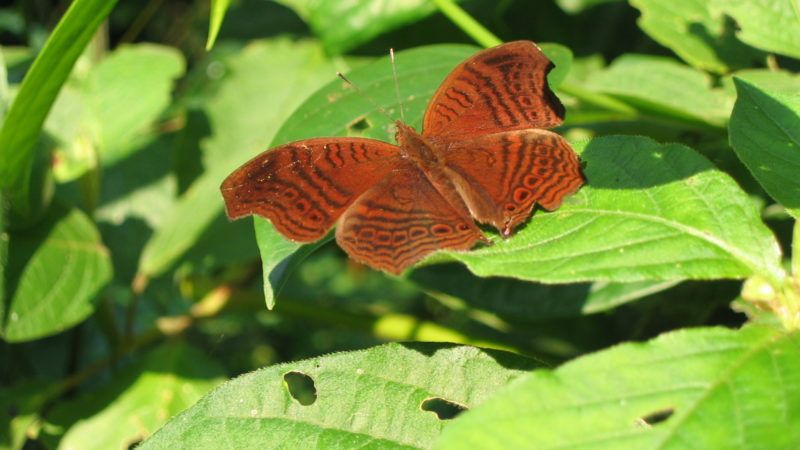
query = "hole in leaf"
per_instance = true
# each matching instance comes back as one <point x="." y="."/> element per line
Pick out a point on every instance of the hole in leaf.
<point x="359" y="125"/>
<point x="301" y="387"/>
<point x="656" y="417"/>
<point x="444" y="409"/>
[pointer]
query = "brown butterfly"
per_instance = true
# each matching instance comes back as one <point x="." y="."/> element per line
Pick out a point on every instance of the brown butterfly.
<point x="482" y="155"/>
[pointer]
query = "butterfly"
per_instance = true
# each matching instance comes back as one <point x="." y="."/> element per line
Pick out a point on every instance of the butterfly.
<point x="483" y="155"/>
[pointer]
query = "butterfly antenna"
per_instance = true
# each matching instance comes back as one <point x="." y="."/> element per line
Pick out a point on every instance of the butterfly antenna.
<point x="396" y="85"/>
<point x="360" y="92"/>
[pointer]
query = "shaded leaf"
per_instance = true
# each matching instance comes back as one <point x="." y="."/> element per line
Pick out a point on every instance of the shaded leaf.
<point x="649" y="211"/>
<point x="55" y="271"/>
<point x="21" y="405"/>
<point x="664" y="87"/>
<point x="367" y="398"/>
<point x="660" y="394"/>
<point x="520" y="300"/>
<point x="765" y="132"/>
<point x="697" y="31"/>
<point x="134" y="404"/>
<point x="39" y="89"/>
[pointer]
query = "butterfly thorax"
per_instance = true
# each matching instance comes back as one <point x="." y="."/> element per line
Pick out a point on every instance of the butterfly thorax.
<point x="423" y="154"/>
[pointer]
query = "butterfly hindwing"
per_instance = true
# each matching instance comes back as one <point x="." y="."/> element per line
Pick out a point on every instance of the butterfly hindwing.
<point x="304" y="186"/>
<point x="402" y="220"/>
<point x="502" y="175"/>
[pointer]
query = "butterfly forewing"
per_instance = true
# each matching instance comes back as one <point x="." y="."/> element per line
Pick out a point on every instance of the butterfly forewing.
<point x="500" y="89"/>
<point x="304" y="186"/>
<point x="402" y="220"/>
<point x="502" y="175"/>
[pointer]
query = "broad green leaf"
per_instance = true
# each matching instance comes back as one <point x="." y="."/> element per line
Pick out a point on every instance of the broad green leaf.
<point x="342" y="25"/>
<point x="127" y="91"/>
<point x="55" y="271"/>
<point x="218" y="10"/>
<point x="649" y="211"/>
<point x="765" y="132"/>
<point x="137" y="402"/>
<point x="266" y="82"/>
<point x="696" y="31"/>
<point x="663" y="87"/>
<point x="699" y="388"/>
<point x="371" y="398"/>
<point x="23" y="123"/>
<point x="520" y="300"/>
<point x="771" y="25"/>
<point x="334" y="110"/>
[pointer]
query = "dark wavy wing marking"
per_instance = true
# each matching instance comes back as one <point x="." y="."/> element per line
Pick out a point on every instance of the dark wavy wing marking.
<point x="500" y="89"/>
<point x="402" y="220"/>
<point x="501" y="176"/>
<point x="304" y="186"/>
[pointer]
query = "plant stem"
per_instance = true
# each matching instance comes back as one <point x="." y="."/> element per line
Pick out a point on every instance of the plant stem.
<point x="467" y="24"/>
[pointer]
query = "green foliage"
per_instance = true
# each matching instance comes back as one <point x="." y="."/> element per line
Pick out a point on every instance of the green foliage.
<point x="765" y="132"/>
<point x="263" y="408"/>
<point x="127" y="298"/>
<point x="55" y="271"/>
<point x="662" y="393"/>
<point x="22" y="124"/>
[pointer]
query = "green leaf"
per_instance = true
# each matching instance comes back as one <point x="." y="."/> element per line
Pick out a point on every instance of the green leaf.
<point x="39" y="89"/>
<point x="266" y="82"/>
<point x="765" y="133"/>
<point x="279" y="257"/>
<point x="56" y="269"/>
<point x="649" y="211"/>
<point x="518" y="300"/>
<point x="126" y="92"/>
<point x="370" y="398"/>
<point x="696" y="31"/>
<point x="663" y="87"/>
<point x="561" y="57"/>
<point x="342" y="25"/>
<point x="134" y="404"/>
<point x="218" y="10"/>
<point x="771" y="25"/>
<point x="702" y="388"/>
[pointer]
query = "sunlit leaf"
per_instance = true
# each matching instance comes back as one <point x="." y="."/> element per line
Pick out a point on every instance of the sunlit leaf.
<point x="713" y="388"/>
<point x="697" y="31"/>
<point x="367" y="398"/>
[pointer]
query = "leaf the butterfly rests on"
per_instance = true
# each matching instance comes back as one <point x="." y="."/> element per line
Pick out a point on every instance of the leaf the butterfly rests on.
<point x="482" y="155"/>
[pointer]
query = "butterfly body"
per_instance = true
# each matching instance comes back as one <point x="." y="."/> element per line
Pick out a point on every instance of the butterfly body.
<point x="481" y="156"/>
